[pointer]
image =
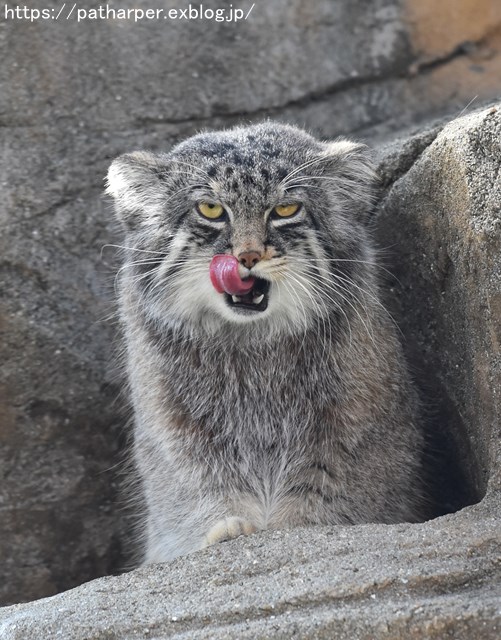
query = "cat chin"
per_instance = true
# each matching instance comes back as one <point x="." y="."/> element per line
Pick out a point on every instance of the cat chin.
<point x="266" y="325"/>
<point x="242" y="316"/>
<point x="210" y="314"/>
<point x="238" y="327"/>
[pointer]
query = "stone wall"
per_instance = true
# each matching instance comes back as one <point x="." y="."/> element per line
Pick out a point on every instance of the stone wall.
<point x="442" y="218"/>
<point x="441" y="205"/>
<point x="76" y="94"/>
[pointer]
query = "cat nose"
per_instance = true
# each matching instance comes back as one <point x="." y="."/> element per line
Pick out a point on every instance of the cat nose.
<point x="249" y="258"/>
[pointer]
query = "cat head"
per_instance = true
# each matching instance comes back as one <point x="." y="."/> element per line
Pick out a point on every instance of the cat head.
<point x="291" y="209"/>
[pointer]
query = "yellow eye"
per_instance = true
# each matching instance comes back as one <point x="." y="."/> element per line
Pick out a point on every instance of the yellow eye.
<point x="286" y="210"/>
<point x="209" y="210"/>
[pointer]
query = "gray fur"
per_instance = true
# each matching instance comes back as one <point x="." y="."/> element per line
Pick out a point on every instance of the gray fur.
<point x="301" y="414"/>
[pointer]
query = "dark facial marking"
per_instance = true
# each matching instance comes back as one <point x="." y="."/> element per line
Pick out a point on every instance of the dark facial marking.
<point x="204" y="233"/>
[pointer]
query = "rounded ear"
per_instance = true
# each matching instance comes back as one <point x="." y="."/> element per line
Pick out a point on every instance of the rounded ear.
<point x="134" y="181"/>
<point x="352" y="174"/>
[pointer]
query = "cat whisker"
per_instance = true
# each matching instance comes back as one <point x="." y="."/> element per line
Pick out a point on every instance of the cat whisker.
<point x="298" y="186"/>
<point x="294" y="296"/>
<point x="189" y="187"/>
<point x="344" y="186"/>
<point x="322" y="295"/>
<point x="120" y="246"/>
<point x="132" y="277"/>
<point x="349" y="282"/>
<point x="301" y="167"/>
<point x="321" y="315"/>
<point x="164" y="280"/>
<point x="192" y="166"/>
<point x="365" y="262"/>
<point x="340" y="290"/>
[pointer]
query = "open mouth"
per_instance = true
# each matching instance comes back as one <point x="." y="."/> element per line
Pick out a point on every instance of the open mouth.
<point x="254" y="300"/>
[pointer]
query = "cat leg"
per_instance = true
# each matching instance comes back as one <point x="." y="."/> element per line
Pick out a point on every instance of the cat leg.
<point x="227" y="529"/>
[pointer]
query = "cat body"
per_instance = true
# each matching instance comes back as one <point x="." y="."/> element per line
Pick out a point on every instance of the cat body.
<point x="287" y="406"/>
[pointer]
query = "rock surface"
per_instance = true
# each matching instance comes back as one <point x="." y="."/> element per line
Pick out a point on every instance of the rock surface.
<point x="73" y="95"/>
<point x="441" y="215"/>
<point x="440" y="204"/>
<point x="433" y="580"/>
<point x="336" y="67"/>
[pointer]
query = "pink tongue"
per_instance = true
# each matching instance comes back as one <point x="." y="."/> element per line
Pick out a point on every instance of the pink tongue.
<point x="225" y="277"/>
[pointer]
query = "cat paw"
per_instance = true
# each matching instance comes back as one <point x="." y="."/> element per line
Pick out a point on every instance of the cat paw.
<point x="227" y="529"/>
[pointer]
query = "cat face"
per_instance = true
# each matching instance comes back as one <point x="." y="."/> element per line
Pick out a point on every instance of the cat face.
<point x="290" y="209"/>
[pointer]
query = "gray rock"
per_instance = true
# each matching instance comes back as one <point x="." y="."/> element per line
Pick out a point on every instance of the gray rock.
<point x="60" y="421"/>
<point x="73" y="95"/>
<point x="441" y="217"/>
<point x="434" y="580"/>
<point x="440" y="212"/>
<point x="116" y="74"/>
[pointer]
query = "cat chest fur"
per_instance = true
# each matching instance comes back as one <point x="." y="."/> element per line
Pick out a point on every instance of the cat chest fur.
<point x="234" y="416"/>
<point x="249" y="396"/>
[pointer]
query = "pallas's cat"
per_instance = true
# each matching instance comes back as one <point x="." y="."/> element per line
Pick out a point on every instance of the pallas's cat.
<point x="288" y="402"/>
